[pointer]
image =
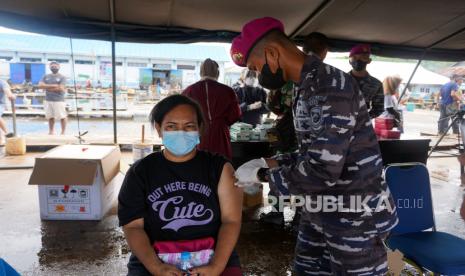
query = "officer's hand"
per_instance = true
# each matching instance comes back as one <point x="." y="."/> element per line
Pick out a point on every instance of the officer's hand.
<point x="247" y="173"/>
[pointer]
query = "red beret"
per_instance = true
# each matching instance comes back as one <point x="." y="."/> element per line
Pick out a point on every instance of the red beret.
<point x="360" y="49"/>
<point x="251" y="33"/>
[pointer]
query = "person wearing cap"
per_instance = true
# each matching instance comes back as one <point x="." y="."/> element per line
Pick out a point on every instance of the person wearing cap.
<point x="338" y="157"/>
<point x="220" y="107"/>
<point x="280" y="103"/>
<point x="54" y="105"/>
<point x="372" y="88"/>
<point x="449" y="104"/>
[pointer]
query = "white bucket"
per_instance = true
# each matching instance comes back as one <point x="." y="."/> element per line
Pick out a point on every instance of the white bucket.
<point x="140" y="151"/>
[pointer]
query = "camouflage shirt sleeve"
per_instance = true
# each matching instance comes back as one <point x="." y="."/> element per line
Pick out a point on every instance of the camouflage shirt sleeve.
<point x="377" y="104"/>
<point x="323" y="148"/>
<point x="286" y="159"/>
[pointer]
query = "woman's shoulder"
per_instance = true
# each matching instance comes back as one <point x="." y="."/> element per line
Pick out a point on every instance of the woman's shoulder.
<point x="214" y="159"/>
<point x="148" y="162"/>
<point x="214" y="163"/>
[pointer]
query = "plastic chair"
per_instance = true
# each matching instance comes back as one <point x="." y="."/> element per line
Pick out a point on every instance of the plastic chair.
<point x="6" y="269"/>
<point x="415" y="235"/>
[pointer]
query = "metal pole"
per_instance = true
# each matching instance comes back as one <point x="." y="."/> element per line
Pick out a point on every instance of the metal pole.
<point x="13" y="112"/>
<point x="424" y="54"/>
<point x="113" y="67"/>
<point x="113" y="76"/>
<point x="411" y="75"/>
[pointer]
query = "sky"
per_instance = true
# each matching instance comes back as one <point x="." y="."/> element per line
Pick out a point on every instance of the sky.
<point x="4" y="30"/>
<point x="226" y="46"/>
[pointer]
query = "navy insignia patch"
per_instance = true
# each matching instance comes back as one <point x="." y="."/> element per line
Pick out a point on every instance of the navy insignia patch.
<point x="316" y="115"/>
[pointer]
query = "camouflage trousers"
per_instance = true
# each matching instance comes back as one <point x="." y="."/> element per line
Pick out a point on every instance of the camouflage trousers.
<point x="323" y="250"/>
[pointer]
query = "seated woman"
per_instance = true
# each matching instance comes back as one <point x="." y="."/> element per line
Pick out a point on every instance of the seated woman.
<point x="179" y="208"/>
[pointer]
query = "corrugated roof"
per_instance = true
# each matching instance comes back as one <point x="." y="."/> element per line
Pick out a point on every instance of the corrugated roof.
<point x="60" y="45"/>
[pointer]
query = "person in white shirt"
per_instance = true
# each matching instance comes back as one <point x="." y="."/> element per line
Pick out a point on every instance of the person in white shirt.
<point x="391" y="86"/>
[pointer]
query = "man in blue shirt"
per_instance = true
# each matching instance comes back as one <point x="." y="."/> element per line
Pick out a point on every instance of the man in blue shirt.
<point x="448" y="104"/>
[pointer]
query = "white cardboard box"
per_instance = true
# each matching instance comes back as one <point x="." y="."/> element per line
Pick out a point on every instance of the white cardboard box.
<point x="77" y="182"/>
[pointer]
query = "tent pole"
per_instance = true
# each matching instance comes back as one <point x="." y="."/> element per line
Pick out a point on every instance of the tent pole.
<point x="424" y="54"/>
<point x="113" y="68"/>
<point x="413" y="74"/>
<point x="113" y="73"/>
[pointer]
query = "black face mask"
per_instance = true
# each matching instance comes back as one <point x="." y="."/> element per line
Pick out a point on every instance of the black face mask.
<point x="359" y="65"/>
<point x="54" y="71"/>
<point x="269" y="79"/>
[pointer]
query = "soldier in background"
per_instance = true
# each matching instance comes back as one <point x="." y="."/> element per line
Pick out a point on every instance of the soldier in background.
<point x="371" y="87"/>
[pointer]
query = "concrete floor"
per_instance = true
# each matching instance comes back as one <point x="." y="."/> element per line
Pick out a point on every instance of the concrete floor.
<point x="36" y="247"/>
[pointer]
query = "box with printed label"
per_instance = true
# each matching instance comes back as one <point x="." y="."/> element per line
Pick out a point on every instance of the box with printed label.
<point x="77" y="182"/>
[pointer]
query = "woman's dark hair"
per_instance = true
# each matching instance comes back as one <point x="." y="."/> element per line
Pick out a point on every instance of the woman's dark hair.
<point x="167" y="104"/>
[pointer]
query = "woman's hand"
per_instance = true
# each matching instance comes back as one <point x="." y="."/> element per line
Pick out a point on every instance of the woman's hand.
<point x="208" y="270"/>
<point x="167" y="270"/>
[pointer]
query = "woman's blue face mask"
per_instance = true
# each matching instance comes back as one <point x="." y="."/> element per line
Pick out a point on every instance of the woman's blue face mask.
<point x="180" y="143"/>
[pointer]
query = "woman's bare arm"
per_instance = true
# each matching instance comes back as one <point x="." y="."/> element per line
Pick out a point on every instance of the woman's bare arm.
<point x="230" y="198"/>
<point x="139" y="244"/>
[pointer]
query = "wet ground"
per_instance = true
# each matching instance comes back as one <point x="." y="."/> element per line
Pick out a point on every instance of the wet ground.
<point x="36" y="247"/>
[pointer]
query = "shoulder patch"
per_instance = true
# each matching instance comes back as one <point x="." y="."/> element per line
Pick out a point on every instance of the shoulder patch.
<point x="316" y="115"/>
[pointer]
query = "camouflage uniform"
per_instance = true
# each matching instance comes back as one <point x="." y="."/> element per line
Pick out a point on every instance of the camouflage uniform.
<point x="338" y="156"/>
<point x="282" y="135"/>
<point x="373" y="94"/>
